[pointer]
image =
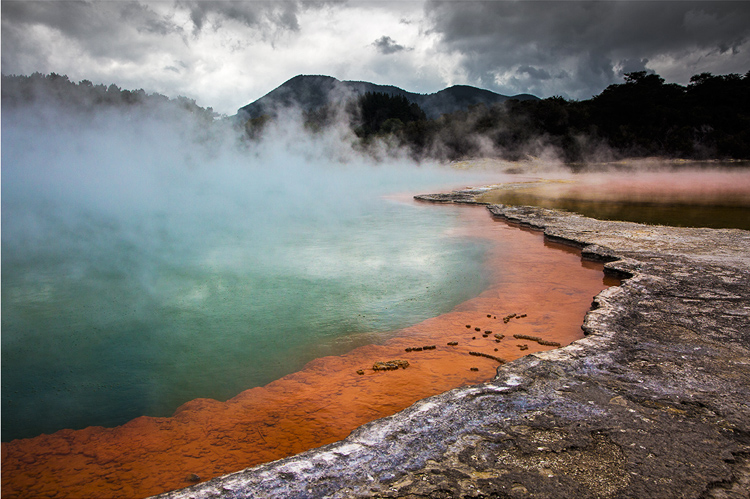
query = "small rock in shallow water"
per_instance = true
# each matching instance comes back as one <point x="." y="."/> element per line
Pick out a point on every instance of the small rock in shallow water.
<point x="526" y="337"/>
<point x="480" y="354"/>
<point x="474" y="369"/>
<point x="549" y="343"/>
<point x="390" y="365"/>
<point x="192" y="477"/>
<point x="360" y="372"/>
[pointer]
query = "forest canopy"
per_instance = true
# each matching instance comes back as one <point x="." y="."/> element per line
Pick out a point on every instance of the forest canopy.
<point x="86" y="96"/>
<point x="644" y="116"/>
<point x="707" y="119"/>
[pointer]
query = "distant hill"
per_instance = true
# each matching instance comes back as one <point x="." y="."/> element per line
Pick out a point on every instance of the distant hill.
<point x="310" y="92"/>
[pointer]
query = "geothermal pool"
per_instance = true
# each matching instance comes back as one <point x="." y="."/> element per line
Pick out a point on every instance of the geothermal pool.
<point x="141" y="271"/>
<point x="147" y="274"/>
<point x="98" y="330"/>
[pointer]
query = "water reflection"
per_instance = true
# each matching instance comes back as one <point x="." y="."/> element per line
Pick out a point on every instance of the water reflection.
<point x="694" y="198"/>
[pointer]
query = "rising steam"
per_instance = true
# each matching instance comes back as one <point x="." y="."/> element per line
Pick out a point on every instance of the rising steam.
<point x="151" y="256"/>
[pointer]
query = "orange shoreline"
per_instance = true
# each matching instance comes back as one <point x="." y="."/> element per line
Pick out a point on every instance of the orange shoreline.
<point x="327" y="399"/>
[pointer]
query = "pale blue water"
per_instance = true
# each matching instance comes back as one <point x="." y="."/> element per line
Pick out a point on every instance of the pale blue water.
<point x="136" y="276"/>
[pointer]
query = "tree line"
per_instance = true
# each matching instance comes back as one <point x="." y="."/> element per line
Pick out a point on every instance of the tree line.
<point x="707" y="119"/>
<point x="644" y="116"/>
<point x="18" y="90"/>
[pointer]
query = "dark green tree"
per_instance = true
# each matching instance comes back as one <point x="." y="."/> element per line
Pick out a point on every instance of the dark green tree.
<point x="384" y="113"/>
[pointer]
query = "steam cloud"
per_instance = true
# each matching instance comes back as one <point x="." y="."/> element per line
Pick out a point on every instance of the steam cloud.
<point x="113" y="217"/>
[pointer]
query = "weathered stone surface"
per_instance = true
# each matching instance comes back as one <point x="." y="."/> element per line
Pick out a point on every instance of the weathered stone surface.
<point x="464" y="196"/>
<point x="653" y="402"/>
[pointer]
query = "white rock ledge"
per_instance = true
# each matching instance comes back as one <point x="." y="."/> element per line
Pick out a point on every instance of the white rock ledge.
<point x="653" y="403"/>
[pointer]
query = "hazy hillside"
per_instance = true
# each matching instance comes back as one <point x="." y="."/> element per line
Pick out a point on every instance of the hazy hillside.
<point x="84" y="96"/>
<point x="643" y="116"/>
<point x="461" y="97"/>
<point x="310" y="93"/>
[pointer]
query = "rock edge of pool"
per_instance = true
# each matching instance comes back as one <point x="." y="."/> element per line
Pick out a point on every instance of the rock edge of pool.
<point x="653" y="402"/>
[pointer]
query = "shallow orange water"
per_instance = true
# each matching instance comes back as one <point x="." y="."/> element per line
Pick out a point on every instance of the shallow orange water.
<point x="326" y="400"/>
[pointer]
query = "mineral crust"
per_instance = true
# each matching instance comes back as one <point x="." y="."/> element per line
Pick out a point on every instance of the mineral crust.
<point x="653" y="403"/>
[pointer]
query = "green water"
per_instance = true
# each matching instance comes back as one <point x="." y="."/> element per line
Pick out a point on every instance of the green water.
<point x="103" y="333"/>
<point x="735" y="216"/>
<point x="141" y="270"/>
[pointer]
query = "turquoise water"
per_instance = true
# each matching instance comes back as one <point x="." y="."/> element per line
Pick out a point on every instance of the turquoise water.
<point x="136" y="280"/>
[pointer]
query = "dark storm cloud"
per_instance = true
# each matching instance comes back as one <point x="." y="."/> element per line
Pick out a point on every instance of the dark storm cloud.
<point x="266" y="16"/>
<point x="582" y="47"/>
<point x="101" y="29"/>
<point x="108" y="29"/>
<point x="82" y="20"/>
<point x="537" y="73"/>
<point x="387" y="45"/>
<point x="278" y="15"/>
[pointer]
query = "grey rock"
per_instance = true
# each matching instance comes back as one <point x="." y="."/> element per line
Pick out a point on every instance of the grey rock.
<point x="654" y="402"/>
<point x="466" y="196"/>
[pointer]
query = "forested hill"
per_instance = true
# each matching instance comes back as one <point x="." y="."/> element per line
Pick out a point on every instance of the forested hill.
<point x="707" y="119"/>
<point x="310" y="93"/>
<point x="643" y="116"/>
<point x="19" y="90"/>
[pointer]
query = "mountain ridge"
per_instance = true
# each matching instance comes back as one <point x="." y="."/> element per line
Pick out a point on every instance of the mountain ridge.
<point x="311" y="92"/>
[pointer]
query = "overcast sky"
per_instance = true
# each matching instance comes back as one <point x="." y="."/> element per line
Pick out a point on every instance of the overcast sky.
<point x="227" y="54"/>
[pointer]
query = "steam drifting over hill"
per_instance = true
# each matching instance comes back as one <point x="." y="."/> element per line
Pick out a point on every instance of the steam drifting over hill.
<point x="310" y="93"/>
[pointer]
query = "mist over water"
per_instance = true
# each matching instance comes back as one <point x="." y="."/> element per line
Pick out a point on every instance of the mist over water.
<point x="149" y="259"/>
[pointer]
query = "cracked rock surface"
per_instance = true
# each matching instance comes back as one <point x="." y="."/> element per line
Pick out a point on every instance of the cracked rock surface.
<point x="653" y="403"/>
